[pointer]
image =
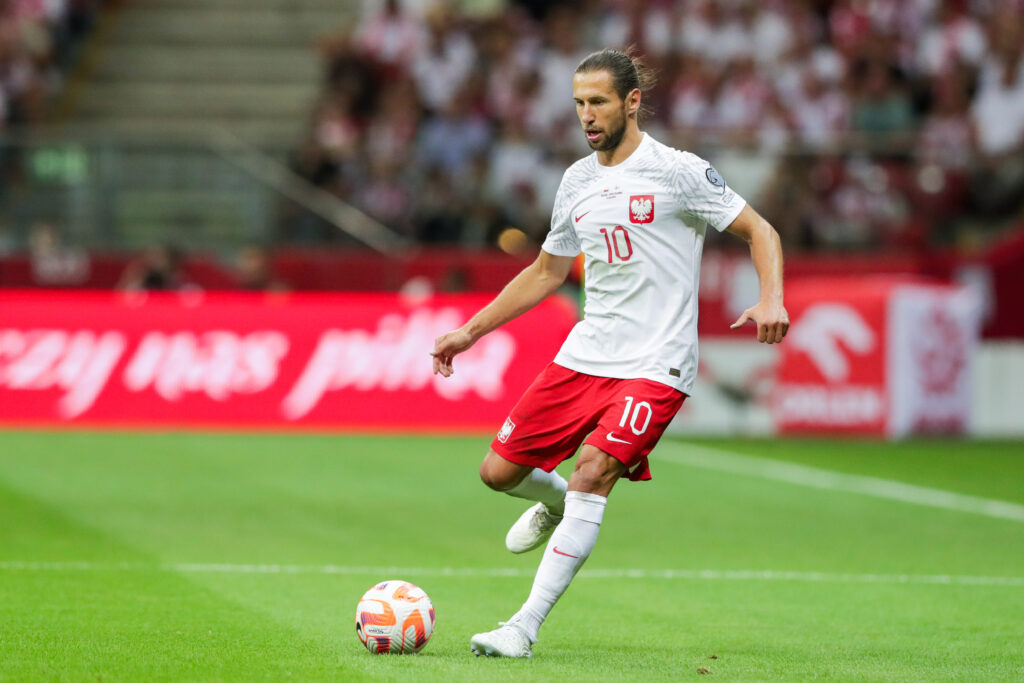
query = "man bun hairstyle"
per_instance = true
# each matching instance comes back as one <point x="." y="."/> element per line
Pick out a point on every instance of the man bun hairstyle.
<point x="627" y="70"/>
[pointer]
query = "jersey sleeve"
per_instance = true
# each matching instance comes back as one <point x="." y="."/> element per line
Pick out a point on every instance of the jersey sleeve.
<point x="562" y="239"/>
<point x="705" y="194"/>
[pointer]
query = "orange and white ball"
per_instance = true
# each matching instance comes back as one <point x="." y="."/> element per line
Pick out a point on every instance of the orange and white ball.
<point x="395" y="617"/>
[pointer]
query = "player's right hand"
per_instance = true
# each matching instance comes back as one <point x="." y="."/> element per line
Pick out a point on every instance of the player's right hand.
<point x="446" y="347"/>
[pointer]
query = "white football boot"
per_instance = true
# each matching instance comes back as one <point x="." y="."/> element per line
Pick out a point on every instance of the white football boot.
<point x="507" y="641"/>
<point x="532" y="529"/>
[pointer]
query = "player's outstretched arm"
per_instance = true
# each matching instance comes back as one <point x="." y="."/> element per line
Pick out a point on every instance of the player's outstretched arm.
<point x="527" y="289"/>
<point x="766" y="251"/>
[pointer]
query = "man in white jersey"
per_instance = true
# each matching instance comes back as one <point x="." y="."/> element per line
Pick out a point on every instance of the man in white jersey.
<point x="638" y="210"/>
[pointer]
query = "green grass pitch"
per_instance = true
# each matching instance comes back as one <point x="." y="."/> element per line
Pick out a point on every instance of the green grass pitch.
<point x="226" y="557"/>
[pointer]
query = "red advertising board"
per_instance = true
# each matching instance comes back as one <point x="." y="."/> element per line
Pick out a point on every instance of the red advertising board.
<point x="335" y="361"/>
<point x="877" y="356"/>
<point x="832" y="376"/>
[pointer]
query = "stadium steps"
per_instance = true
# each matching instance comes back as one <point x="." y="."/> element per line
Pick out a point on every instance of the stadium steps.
<point x="240" y="5"/>
<point x="143" y="63"/>
<point x="159" y="78"/>
<point x="212" y="26"/>
<point x="259" y="130"/>
<point x="248" y="66"/>
<point x="231" y="98"/>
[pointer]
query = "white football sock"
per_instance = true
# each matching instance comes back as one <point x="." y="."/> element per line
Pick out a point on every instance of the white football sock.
<point x="568" y="549"/>
<point x="545" y="487"/>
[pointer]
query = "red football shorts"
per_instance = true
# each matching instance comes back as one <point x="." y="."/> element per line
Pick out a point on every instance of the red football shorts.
<point x="623" y="417"/>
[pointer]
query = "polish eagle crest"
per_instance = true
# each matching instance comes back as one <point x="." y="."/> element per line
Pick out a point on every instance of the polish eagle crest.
<point x="641" y="208"/>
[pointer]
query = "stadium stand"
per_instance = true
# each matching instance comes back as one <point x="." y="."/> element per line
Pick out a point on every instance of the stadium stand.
<point x="866" y="125"/>
<point x="892" y="130"/>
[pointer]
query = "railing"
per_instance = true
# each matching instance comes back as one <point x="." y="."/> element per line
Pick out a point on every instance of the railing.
<point x="208" y="190"/>
<point x="204" y="189"/>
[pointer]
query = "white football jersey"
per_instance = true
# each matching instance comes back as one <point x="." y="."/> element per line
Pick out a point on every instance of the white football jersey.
<point x="640" y="225"/>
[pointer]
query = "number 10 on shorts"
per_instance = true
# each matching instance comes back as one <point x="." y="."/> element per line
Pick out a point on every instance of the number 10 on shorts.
<point x="633" y="415"/>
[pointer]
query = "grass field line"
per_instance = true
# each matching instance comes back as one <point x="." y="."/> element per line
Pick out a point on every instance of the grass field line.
<point x="484" y="572"/>
<point x="721" y="460"/>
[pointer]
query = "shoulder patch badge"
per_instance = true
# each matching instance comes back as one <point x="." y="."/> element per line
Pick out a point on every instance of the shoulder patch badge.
<point x="714" y="177"/>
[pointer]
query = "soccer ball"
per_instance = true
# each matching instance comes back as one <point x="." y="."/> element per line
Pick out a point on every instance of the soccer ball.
<point x="394" y="617"/>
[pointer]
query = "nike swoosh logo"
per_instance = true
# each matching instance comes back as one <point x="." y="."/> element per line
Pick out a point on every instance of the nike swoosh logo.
<point x="578" y="218"/>
<point x="556" y="550"/>
<point x="615" y="439"/>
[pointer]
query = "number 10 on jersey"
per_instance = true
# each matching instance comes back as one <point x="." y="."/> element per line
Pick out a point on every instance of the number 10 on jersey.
<point x="617" y="241"/>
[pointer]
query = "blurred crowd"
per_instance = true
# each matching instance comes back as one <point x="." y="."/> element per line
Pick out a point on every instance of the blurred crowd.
<point x="850" y="124"/>
<point x="37" y="41"/>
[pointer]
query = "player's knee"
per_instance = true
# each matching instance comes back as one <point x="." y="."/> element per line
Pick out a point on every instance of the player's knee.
<point x="494" y="476"/>
<point x="589" y="479"/>
<point x="489" y="479"/>
<point x="595" y="473"/>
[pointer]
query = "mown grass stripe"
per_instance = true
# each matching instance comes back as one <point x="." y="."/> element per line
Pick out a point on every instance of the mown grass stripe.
<point x="721" y="460"/>
<point x="498" y="572"/>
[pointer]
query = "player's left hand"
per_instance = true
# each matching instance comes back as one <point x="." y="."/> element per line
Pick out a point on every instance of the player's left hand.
<point x="771" y="318"/>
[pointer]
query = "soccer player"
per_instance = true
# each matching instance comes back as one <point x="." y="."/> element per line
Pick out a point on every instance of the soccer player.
<point x="638" y="210"/>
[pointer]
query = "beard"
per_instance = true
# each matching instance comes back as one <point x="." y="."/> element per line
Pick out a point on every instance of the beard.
<point x="612" y="136"/>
